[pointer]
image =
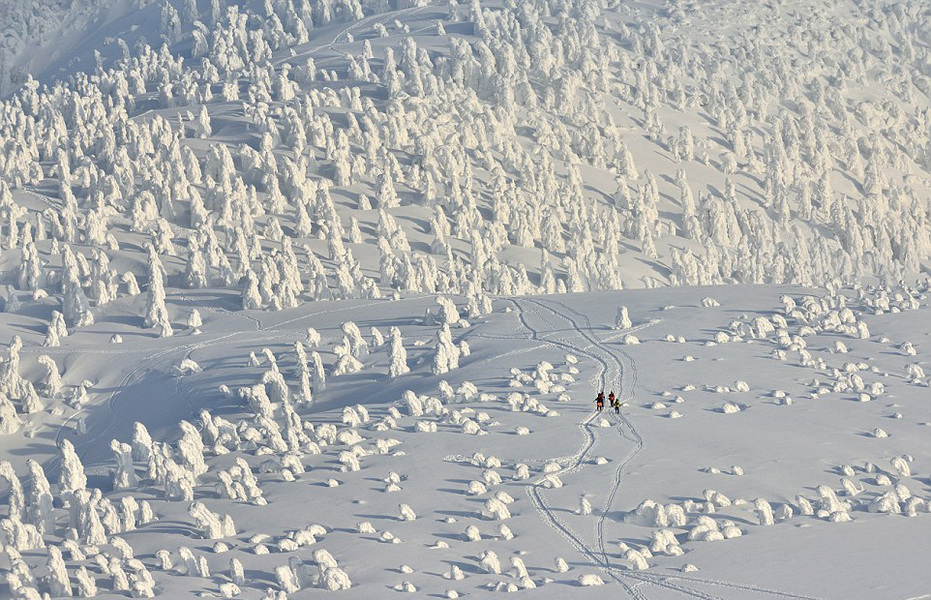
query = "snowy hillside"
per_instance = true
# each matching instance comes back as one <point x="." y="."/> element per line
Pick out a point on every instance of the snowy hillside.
<point x="791" y="429"/>
<point x="302" y="294"/>
<point x="535" y="147"/>
<point x="37" y="35"/>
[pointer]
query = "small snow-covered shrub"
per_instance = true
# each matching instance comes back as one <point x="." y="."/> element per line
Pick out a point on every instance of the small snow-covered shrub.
<point x="365" y="527"/>
<point x="476" y="488"/>
<point x="406" y="513"/>
<point x="387" y="536"/>
<point x="504" y="497"/>
<point x="590" y="579"/>
<point x="454" y="574"/>
<point x="716" y="498"/>
<point x="334" y="579"/>
<point x="635" y="560"/>
<point x="663" y="541"/>
<point x="425" y="427"/>
<point x="211" y="524"/>
<point x="705" y="530"/>
<point x="901" y="466"/>
<point x="764" y="511"/>
<point x="470" y="427"/>
<point x="495" y="509"/>
<point x="188" y="367"/>
<point x="887" y="502"/>
<point x="621" y="319"/>
<point x="472" y="533"/>
<point x="489" y="562"/>
<point x="551" y="481"/>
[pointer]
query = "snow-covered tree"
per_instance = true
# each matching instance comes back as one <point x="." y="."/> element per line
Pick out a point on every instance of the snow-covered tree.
<point x="397" y="355"/>
<point x="621" y="320"/>
<point x="156" y="312"/>
<point x="71" y="478"/>
<point x="446" y="356"/>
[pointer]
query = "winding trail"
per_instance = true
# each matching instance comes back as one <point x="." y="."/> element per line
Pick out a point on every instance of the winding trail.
<point x="370" y="20"/>
<point x="627" y="369"/>
<point x="536" y="315"/>
<point x="527" y="310"/>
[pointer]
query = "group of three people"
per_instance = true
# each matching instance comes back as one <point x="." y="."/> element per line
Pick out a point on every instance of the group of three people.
<point x="614" y="400"/>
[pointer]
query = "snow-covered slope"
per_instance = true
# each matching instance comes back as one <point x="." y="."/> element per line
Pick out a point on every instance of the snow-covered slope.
<point x="504" y="456"/>
<point x="614" y="145"/>
<point x="38" y="35"/>
<point x="284" y="287"/>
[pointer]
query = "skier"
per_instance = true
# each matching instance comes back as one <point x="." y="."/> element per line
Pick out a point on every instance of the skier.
<point x="600" y="401"/>
<point x="615" y="402"/>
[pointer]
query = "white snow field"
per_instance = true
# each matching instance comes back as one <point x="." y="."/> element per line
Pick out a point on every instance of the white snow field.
<point x="312" y="298"/>
<point x="331" y="476"/>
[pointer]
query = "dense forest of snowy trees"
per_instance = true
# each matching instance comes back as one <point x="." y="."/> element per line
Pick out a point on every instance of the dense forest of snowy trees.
<point x="304" y="151"/>
<point x="493" y="140"/>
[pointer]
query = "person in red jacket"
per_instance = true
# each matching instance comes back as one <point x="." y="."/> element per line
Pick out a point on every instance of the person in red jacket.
<point x="615" y="402"/>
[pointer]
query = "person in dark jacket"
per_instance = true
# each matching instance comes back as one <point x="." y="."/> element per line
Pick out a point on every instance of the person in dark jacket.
<point x="600" y="401"/>
<point x="615" y="402"/>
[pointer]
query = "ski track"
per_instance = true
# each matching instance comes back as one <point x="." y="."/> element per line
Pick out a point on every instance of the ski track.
<point x="370" y="20"/>
<point x="625" y="427"/>
<point x="536" y="491"/>
<point x="628" y="431"/>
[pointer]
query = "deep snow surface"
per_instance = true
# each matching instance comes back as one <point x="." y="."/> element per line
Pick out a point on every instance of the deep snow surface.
<point x="783" y="450"/>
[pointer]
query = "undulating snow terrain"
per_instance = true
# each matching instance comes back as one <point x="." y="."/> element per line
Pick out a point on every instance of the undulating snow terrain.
<point x="306" y="297"/>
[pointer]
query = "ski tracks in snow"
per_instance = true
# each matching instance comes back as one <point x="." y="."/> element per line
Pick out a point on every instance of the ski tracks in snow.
<point x="536" y="491"/>
<point x="370" y="20"/>
<point x="627" y="380"/>
<point x="612" y="361"/>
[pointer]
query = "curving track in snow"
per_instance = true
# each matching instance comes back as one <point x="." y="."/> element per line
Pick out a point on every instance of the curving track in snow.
<point x="528" y="310"/>
<point x="371" y="20"/>
<point x="616" y="362"/>
<point x="627" y="380"/>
